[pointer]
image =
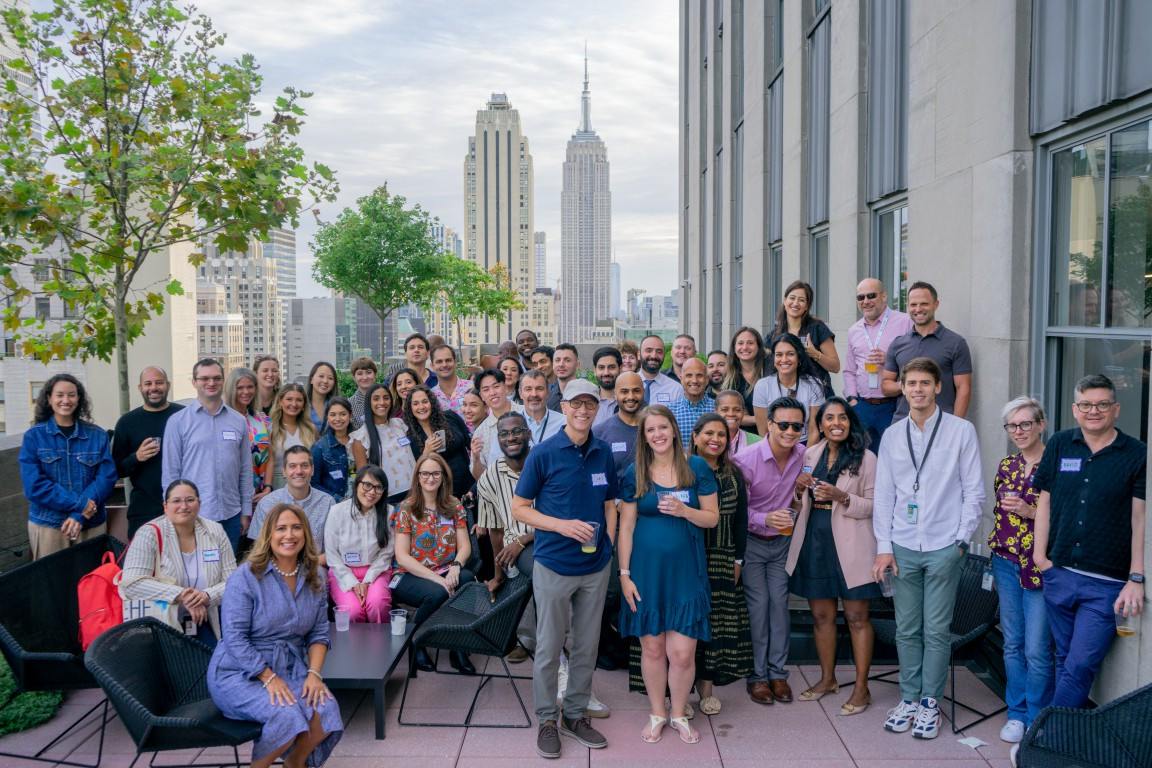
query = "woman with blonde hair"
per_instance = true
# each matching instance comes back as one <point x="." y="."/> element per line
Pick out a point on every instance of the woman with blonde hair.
<point x="289" y="426"/>
<point x="241" y="393"/>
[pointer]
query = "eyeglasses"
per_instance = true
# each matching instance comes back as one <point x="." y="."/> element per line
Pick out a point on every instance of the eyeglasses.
<point x="866" y="296"/>
<point x="371" y="487"/>
<point x="1023" y="426"/>
<point x="586" y="405"/>
<point x="183" y="502"/>
<point x="431" y="475"/>
<point x="212" y="379"/>
<point x="514" y="432"/>
<point x="1102" y="407"/>
<point x="795" y="426"/>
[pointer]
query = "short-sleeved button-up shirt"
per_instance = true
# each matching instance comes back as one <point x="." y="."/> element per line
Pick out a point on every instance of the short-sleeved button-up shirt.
<point x="687" y="412"/>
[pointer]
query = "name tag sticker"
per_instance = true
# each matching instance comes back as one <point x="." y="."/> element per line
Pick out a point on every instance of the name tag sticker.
<point x="619" y="447"/>
<point x="1069" y="465"/>
<point x="228" y="434"/>
<point x="663" y="397"/>
<point x="336" y="474"/>
<point x="403" y="441"/>
<point x="351" y="558"/>
<point x="211" y="555"/>
<point x="599" y="478"/>
<point x="683" y="495"/>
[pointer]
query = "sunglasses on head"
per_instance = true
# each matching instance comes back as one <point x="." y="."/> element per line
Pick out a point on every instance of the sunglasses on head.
<point x="795" y="426"/>
<point x="868" y="296"/>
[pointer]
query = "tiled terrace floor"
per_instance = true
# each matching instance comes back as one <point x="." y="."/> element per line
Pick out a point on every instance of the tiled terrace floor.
<point x="743" y="735"/>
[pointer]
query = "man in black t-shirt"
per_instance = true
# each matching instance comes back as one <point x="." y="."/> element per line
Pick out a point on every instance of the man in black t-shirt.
<point x="136" y="446"/>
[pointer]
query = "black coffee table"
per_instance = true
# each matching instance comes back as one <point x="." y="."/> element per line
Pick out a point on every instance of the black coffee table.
<point x="363" y="658"/>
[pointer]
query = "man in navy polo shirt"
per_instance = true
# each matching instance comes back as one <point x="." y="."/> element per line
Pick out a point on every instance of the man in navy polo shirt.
<point x="1089" y="537"/>
<point x="567" y="493"/>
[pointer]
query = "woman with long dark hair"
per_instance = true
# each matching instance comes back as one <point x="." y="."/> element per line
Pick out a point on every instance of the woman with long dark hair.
<point x="359" y="549"/>
<point x="384" y="442"/>
<point x="66" y="467"/>
<point x="833" y="548"/>
<point x="510" y="367"/>
<point x="793" y="377"/>
<point x="434" y="430"/>
<point x="321" y="387"/>
<point x="746" y="366"/>
<point x="403" y="382"/>
<point x="795" y="317"/>
<point x="332" y="464"/>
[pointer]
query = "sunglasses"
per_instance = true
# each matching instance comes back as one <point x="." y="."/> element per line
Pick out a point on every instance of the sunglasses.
<point x="795" y="426"/>
<point x="868" y="296"/>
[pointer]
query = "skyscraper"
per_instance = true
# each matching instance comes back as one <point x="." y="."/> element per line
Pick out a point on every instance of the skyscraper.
<point x="252" y="289"/>
<point x="616" y="307"/>
<point x="498" y="211"/>
<point x="586" y="229"/>
<point x="540" y="256"/>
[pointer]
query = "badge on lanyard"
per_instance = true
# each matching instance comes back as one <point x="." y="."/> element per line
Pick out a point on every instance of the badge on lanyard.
<point x="988" y="581"/>
<point x="913" y="512"/>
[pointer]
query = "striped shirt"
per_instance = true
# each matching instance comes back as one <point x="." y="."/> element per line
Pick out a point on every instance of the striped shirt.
<point x="495" y="490"/>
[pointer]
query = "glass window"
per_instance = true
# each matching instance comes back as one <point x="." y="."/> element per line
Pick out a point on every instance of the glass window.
<point x="890" y="263"/>
<point x="1128" y="301"/>
<point x="774" y="283"/>
<point x="1079" y="197"/>
<point x="737" y="310"/>
<point x="1124" y="361"/>
<point x="819" y="272"/>
<point x="43" y="308"/>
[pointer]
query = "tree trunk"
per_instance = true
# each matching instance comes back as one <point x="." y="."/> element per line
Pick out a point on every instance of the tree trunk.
<point x="120" y="321"/>
<point x="383" y="328"/>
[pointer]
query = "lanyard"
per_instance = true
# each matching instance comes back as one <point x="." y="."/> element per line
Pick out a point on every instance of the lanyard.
<point x="883" y="325"/>
<point x="912" y="454"/>
<point x="538" y="433"/>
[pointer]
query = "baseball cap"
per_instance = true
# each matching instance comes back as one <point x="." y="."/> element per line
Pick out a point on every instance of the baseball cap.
<point x="578" y="387"/>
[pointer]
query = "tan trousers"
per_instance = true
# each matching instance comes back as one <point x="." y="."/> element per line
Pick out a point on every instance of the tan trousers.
<point x="44" y="541"/>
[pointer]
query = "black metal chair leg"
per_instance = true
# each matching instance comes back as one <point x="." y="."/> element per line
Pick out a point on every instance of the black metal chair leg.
<point x="39" y="756"/>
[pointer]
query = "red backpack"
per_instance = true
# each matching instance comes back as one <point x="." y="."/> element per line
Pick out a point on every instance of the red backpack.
<point x="98" y="596"/>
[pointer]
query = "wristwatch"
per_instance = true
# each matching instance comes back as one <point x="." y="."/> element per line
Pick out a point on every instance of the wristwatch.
<point x="1136" y="578"/>
<point x="963" y="545"/>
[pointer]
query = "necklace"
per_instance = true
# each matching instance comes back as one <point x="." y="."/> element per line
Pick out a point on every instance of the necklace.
<point x="291" y="573"/>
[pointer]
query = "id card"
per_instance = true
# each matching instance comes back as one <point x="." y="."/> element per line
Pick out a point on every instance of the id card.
<point x="913" y="512"/>
<point x="1069" y="465"/>
<point x="351" y="558"/>
<point x="189" y="626"/>
<point x="988" y="581"/>
<point x="684" y="495"/>
<point x="663" y="397"/>
<point x="395" y="580"/>
<point x="874" y="380"/>
<point x="336" y="474"/>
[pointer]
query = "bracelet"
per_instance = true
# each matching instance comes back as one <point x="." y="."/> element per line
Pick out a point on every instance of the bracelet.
<point x="314" y="672"/>
<point x="625" y="572"/>
<point x="456" y="563"/>
<point x="269" y="680"/>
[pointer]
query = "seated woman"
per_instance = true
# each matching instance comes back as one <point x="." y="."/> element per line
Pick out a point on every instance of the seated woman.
<point x="359" y="548"/>
<point x="332" y="462"/>
<point x="667" y="498"/>
<point x="432" y="547"/>
<point x="184" y="560"/>
<point x="268" y="664"/>
<point x="384" y="442"/>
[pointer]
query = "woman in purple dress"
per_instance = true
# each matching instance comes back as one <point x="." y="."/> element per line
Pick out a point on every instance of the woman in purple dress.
<point x="267" y="667"/>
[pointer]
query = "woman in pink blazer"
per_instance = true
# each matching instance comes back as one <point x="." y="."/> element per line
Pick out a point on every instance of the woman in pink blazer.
<point x="833" y="547"/>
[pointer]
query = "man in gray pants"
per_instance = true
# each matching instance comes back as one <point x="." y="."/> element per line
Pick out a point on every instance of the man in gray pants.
<point x="770" y="468"/>
<point x="567" y="493"/>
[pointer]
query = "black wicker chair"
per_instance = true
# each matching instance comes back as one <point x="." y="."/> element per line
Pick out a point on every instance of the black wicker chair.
<point x="40" y="631"/>
<point x="472" y="623"/>
<point x="156" y="679"/>
<point x="977" y="612"/>
<point x="1115" y="735"/>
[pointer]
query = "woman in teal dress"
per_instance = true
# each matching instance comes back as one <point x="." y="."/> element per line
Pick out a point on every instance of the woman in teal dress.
<point x="667" y="499"/>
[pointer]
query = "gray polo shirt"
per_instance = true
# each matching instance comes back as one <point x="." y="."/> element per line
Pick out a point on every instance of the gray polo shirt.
<point x="947" y="348"/>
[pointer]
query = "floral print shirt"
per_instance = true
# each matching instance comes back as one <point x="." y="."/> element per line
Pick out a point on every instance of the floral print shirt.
<point x="261" y="441"/>
<point x="433" y="538"/>
<point x="1012" y="535"/>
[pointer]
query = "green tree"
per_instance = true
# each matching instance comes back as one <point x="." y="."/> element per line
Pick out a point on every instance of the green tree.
<point x="149" y="141"/>
<point x="469" y="290"/>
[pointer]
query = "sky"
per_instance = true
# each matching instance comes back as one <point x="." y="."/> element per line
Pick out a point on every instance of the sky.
<point x="397" y="86"/>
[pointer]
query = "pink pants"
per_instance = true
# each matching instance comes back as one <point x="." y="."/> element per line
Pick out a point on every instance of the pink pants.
<point x="377" y="602"/>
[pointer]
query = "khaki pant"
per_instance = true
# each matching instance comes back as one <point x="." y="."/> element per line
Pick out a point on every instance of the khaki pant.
<point x="44" y="541"/>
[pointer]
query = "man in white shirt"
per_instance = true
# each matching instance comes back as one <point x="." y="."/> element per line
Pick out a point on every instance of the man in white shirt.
<point x="928" y="498"/>
<point x="485" y="447"/>
<point x="658" y="388"/>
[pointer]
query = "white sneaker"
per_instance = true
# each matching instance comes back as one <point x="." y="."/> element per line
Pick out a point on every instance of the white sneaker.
<point x="1013" y="732"/>
<point x="562" y="679"/>
<point x="596" y="708"/>
<point x="927" y="719"/>
<point x="900" y="718"/>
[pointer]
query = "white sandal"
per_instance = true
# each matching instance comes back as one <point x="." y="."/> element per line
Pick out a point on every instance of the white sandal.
<point x="680" y="725"/>
<point x="655" y="726"/>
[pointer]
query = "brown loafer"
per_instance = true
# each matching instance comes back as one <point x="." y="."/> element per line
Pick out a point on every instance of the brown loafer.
<point x="761" y="692"/>
<point x="781" y="691"/>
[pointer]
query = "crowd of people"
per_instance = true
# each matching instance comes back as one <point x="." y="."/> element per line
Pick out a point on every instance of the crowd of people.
<point x="676" y="506"/>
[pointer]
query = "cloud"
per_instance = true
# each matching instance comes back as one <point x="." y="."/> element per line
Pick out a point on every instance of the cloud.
<point x="397" y="87"/>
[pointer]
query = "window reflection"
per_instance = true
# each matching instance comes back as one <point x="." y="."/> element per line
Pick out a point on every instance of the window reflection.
<point x="1124" y="361"/>
<point x="1079" y="199"/>
<point x="1129" y="263"/>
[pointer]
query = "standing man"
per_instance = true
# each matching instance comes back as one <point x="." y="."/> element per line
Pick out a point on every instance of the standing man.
<point x="526" y="343"/>
<point x="606" y="367"/>
<point x="136" y="445"/>
<point x="567" y="493"/>
<point x="930" y="339"/>
<point x="770" y="468"/>
<point x="658" y="388"/>
<point x="565" y="362"/>
<point x="929" y="492"/>
<point x="416" y="357"/>
<point x="619" y="430"/>
<point x="683" y="349"/>
<point x="717" y="370"/>
<point x="449" y="388"/>
<point x="490" y="386"/>
<point x="695" y="402"/>
<point x="364" y="371"/>
<point x="1090" y="523"/>
<point x="868" y="340"/>
<point x="207" y="443"/>
<point x="542" y="361"/>
<point x="542" y="422"/>
<point x="299" y="491"/>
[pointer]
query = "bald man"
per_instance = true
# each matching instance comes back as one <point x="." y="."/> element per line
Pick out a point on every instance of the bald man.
<point x="136" y="446"/>
<point x="619" y="429"/>
<point x="868" y="341"/>
<point x="696" y="401"/>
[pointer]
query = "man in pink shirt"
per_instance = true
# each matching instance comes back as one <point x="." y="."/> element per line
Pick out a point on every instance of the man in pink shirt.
<point x="770" y="469"/>
<point x="868" y="341"/>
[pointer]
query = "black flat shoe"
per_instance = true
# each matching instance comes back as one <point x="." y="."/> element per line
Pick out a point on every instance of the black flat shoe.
<point x="461" y="663"/>
<point x="423" y="661"/>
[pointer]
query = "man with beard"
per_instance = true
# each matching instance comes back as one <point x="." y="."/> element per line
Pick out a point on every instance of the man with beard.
<point x="717" y="370"/>
<point x="542" y="422"/>
<point x="606" y="366"/>
<point x="565" y="364"/>
<point x="658" y="388"/>
<point x="136" y="446"/>
<point x="526" y="343"/>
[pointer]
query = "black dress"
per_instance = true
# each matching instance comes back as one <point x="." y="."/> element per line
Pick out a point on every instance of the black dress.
<point x="455" y="453"/>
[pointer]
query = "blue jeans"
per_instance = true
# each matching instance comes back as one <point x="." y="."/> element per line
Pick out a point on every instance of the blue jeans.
<point x="875" y="419"/>
<point x="231" y="527"/>
<point x="1083" y="626"/>
<point x="1028" y="659"/>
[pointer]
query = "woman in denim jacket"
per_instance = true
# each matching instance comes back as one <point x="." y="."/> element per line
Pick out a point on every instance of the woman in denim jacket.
<point x="333" y="466"/>
<point x="67" y="469"/>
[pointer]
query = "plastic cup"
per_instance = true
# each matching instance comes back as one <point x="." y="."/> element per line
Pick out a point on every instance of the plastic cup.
<point x="343" y="619"/>
<point x="589" y="547"/>
<point x="886" y="582"/>
<point x="787" y="531"/>
<point x="870" y="367"/>
<point x="1125" y="625"/>
<point x="158" y="441"/>
<point x="399" y="619"/>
